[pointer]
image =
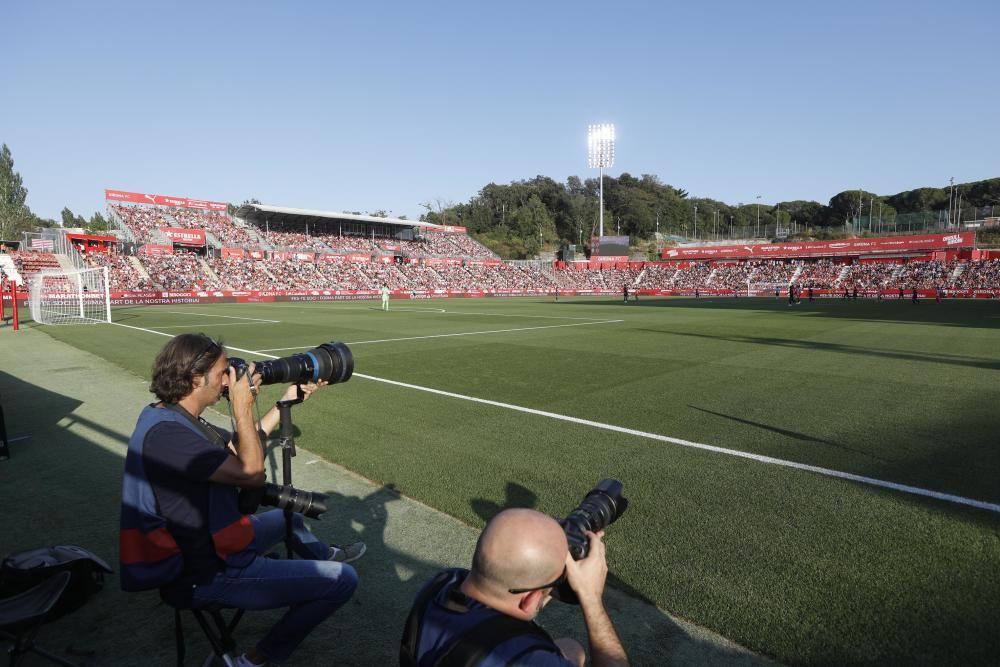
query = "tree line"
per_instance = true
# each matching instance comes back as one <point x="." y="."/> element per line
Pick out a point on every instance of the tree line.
<point x="519" y="219"/>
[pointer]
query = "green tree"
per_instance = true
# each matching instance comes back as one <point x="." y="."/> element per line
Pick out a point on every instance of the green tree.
<point x="15" y="216"/>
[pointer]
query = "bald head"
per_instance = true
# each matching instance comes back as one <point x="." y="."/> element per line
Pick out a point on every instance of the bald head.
<point x="519" y="548"/>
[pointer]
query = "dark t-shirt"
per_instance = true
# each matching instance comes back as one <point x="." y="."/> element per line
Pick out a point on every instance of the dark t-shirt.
<point x="178" y="463"/>
<point x="442" y="625"/>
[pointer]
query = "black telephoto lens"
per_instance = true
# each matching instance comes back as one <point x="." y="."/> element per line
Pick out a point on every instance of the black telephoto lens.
<point x="332" y="362"/>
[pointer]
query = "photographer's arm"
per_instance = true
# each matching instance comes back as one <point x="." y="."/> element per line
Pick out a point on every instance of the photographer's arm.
<point x="587" y="578"/>
<point x="270" y="420"/>
<point x="246" y="469"/>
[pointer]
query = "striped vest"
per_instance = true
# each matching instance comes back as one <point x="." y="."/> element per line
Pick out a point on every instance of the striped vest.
<point x="148" y="554"/>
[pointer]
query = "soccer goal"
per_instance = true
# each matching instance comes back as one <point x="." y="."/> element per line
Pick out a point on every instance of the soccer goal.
<point x="70" y="297"/>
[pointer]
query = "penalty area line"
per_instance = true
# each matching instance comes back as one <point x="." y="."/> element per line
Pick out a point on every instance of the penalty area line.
<point x="228" y="317"/>
<point x="447" y="335"/>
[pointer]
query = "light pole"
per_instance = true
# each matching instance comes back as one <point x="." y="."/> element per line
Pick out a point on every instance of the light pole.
<point x="601" y="154"/>
<point x="757" y="229"/>
<point x="696" y="222"/>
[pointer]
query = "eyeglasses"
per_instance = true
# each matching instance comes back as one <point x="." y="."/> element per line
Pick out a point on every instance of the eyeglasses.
<point x="554" y="584"/>
<point x="212" y="345"/>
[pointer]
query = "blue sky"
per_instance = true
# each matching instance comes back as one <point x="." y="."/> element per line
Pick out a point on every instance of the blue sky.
<point x="361" y="106"/>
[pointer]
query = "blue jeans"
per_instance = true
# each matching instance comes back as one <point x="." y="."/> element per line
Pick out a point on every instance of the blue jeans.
<point x="311" y="589"/>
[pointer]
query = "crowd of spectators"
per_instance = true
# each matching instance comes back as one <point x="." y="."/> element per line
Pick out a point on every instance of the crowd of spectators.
<point x="820" y="274"/>
<point x="142" y="220"/>
<point x="241" y="273"/>
<point x="873" y="276"/>
<point x="187" y="271"/>
<point x="29" y="263"/>
<point x="217" y="224"/>
<point x="181" y="271"/>
<point x="296" y="241"/>
<point x="123" y="276"/>
<point x="979" y="275"/>
<point x="925" y="275"/>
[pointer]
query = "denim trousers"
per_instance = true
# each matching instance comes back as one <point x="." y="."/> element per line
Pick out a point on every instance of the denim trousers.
<point x="311" y="589"/>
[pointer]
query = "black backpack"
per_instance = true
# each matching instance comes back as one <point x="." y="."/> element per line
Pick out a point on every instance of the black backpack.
<point x="25" y="569"/>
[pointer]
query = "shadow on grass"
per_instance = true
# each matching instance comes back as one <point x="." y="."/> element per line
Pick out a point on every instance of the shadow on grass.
<point x="819" y="346"/>
<point x="976" y="313"/>
<point x="62" y="486"/>
<point x="795" y="435"/>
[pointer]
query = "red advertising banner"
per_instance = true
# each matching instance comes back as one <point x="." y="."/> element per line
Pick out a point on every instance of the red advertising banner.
<point x="281" y="256"/>
<point x="450" y="229"/>
<point x="155" y="249"/>
<point x="892" y="244"/>
<point x="349" y="257"/>
<point x="164" y="200"/>
<point x="328" y="258"/>
<point x="257" y="254"/>
<point x="483" y="262"/>
<point x="235" y="253"/>
<point x="391" y="246"/>
<point x="183" y="236"/>
<point x="359" y="258"/>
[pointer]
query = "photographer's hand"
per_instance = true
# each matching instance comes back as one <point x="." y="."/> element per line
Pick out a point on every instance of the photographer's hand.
<point x="270" y="420"/>
<point x="587" y="578"/>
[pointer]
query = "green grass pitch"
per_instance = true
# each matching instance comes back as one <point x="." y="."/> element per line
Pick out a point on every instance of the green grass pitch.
<point x="801" y="566"/>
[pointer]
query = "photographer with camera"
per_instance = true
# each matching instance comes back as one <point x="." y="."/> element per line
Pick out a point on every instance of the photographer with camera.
<point x="182" y="527"/>
<point x="486" y="615"/>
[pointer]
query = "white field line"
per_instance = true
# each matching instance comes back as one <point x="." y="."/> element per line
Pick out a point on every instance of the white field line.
<point x="861" y="479"/>
<point x="200" y="325"/>
<point x="228" y="317"/>
<point x="447" y="335"/>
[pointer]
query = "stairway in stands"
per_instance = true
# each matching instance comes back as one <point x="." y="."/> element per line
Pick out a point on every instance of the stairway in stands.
<point x="843" y="274"/>
<point x="959" y="270"/>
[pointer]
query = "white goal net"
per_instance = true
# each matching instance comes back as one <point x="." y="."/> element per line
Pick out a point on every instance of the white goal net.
<point x="70" y="297"/>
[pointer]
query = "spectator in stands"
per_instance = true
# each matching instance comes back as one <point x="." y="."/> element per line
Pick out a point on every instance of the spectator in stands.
<point x="520" y="557"/>
<point x="180" y="493"/>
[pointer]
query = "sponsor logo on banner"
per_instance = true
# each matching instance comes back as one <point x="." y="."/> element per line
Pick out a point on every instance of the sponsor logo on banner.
<point x="164" y="200"/>
<point x="819" y="248"/>
<point x="182" y="236"/>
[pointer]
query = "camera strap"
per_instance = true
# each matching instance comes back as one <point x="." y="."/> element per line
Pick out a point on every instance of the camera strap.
<point x="203" y="426"/>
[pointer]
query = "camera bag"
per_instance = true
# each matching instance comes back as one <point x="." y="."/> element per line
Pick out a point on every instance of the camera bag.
<point x="26" y="569"/>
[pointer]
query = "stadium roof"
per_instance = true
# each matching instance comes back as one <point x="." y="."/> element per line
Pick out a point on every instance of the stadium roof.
<point x="259" y="212"/>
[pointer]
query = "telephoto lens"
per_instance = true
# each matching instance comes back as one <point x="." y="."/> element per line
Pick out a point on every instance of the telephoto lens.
<point x="332" y="362"/>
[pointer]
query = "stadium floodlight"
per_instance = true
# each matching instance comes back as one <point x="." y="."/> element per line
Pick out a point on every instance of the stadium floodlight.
<point x="600" y="155"/>
<point x="70" y="297"/>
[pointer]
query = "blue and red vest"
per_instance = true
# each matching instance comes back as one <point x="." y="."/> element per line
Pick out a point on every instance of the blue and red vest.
<point x="148" y="554"/>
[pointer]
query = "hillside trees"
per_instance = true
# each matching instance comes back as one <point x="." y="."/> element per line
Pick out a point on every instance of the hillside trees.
<point x="15" y="216"/>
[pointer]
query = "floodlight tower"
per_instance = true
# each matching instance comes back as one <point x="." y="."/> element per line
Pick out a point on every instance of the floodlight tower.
<point x="601" y="154"/>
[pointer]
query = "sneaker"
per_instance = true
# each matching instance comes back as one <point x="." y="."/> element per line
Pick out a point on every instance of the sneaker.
<point x="347" y="554"/>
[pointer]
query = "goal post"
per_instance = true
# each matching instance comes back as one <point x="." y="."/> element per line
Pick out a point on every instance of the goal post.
<point x="70" y="297"/>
